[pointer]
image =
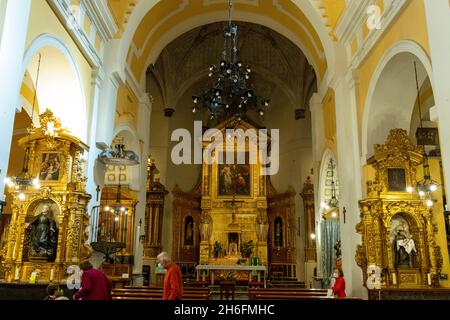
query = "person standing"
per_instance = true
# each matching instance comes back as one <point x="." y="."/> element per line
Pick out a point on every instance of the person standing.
<point x="94" y="284"/>
<point x="173" y="281"/>
<point x="339" y="285"/>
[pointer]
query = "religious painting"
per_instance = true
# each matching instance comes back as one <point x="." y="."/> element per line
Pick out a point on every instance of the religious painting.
<point x="234" y="179"/>
<point x="50" y="168"/>
<point x="396" y="179"/>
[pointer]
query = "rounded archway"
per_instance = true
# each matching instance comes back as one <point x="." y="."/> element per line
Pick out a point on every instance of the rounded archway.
<point x="59" y="85"/>
<point x="392" y="94"/>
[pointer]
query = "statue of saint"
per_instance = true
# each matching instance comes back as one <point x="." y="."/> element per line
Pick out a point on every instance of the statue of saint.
<point x="403" y="247"/>
<point x="44" y="235"/>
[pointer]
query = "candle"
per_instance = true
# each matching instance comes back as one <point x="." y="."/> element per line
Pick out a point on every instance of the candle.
<point x="16" y="276"/>
<point x="429" y="279"/>
<point x="394" y="279"/>
<point x="52" y="274"/>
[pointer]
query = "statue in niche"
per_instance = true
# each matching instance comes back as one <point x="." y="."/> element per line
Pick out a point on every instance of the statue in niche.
<point x="403" y="247"/>
<point x="278" y="232"/>
<point x="44" y="235"/>
<point x="189" y="232"/>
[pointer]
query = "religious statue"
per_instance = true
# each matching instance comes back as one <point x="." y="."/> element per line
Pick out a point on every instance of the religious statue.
<point x="44" y="235"/>
<point x="262" y="227"/>
<point x="278" y="230"/>
<point x="337" y="247"/>
<point x="205" y="226"/>
<point x="403" y="247"/>
<point x="189" y="233"/>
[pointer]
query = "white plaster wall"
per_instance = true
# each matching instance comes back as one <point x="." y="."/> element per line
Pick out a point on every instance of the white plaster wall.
<point x="295" y="162"/>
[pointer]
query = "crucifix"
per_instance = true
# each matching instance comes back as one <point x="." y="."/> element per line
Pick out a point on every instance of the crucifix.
<point x="233" y="203"/>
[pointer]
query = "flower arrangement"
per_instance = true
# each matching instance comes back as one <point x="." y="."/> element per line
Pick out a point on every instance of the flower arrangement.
<point x="217" y="249"/>
<point x="247" y="248"/>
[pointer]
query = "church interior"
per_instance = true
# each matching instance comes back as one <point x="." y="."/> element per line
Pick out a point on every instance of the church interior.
<point x="272" y="148"/>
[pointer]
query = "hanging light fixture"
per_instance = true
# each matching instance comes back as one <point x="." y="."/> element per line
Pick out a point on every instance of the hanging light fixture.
<point x="333" y="202"/>
<point x="231" y="94"/>
<point x="20" y="182"/>
<point x="426" y="186"/>
<point x="118" y="156"/>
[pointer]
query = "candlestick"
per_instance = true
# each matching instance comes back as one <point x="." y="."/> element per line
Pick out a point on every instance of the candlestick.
<point x="52" y="274"/>
<point x="16" y="275"/>
<point x="429" y="279"/>
<point x="394" y="279"/>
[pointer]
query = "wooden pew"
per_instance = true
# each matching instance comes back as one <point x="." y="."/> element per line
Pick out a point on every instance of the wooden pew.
<point x="155" y="293"/>
<point x="286" y="293"/>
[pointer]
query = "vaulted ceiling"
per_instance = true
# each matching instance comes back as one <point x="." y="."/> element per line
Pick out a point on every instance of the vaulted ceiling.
<point x="276" y="61"/>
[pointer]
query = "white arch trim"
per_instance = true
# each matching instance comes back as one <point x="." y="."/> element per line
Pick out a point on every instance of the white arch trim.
<point x="403" y="46"/>
<point x="143" y="7"/>
<point x="51" y="40"/>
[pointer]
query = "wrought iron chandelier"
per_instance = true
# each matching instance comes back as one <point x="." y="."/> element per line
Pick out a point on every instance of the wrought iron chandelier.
<point x="231" y="93"/>
<point x="23" y="180"/>
<point x="333" y="203"/>
<point x="426" y="186"/>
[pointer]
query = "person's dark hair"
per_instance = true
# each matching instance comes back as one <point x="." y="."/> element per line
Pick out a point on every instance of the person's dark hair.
<point x="52" y="289"/>
<point x="85" y="265"/>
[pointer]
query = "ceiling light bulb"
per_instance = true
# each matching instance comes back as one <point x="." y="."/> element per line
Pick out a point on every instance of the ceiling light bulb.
<point x="21" y="196"/>
<point x="261" y="112"/>
<point x="194" y="110"/>
<point x="36" y="183"/>
<point x="433" y="188"/>
<point x="210" y="74"/>
<point x="227" y="106"/>
<point x="240" y="105"/>
<point x="409" y="189"/>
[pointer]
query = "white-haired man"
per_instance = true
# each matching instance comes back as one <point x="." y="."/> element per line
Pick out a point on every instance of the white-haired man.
<point x="173" y="281"/>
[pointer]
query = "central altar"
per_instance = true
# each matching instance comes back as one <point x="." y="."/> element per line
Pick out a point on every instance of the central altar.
<point x="233" y="198"/>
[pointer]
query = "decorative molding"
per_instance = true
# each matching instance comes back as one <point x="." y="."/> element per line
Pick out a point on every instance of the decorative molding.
<point x="76" y="32"/>
<point x="99" y="13"/>
<point x="350" y="22"/>
<point x="375" y="35"/>
<point x="133" y="83"/>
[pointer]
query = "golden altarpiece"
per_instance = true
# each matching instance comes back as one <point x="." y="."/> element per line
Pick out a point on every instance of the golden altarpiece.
<point x="234" y="202"/>
<point x="398" y="236"/>
<point x="55" y="212"/>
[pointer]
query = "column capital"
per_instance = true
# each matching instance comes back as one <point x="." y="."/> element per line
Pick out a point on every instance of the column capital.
<point x="147" y="100"/>
<point x="97" y="76"/>
<point x="316" y="99"/>
<point x="352" y="78"/>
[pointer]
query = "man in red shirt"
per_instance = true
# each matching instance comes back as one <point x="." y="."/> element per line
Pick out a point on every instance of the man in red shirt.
<point x="173" y="283"/>
<point x="94" y="284"/>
